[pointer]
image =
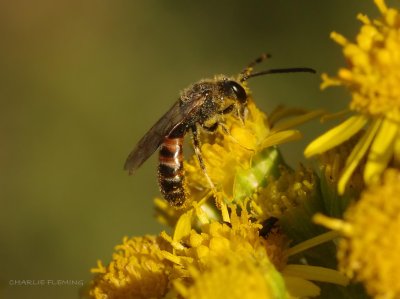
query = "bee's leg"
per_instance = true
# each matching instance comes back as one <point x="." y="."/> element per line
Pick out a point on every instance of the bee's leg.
<point x="212" y="128"/>
<point x="226" y="130"/>
<point x="227" y="110"/>
<point x="197" y="151"/>
<point x="241" y="112"/>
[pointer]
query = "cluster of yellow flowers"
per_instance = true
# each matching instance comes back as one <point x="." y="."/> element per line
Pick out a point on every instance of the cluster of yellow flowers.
<point x="267" y="231"/>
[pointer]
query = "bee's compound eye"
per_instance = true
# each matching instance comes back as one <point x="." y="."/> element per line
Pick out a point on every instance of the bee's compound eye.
<point x="238" y="90"/>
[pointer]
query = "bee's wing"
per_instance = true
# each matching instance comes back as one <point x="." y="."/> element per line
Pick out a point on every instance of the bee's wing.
<point x="149" y="143"/>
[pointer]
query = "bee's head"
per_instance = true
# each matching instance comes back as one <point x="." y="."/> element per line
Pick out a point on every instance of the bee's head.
<point x="235" y="91"/>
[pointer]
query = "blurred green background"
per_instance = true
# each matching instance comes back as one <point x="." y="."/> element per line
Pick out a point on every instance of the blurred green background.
<point x="82" y="81"/>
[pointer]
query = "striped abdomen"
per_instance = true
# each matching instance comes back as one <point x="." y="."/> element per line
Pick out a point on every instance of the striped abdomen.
<point x="170" y="170"/>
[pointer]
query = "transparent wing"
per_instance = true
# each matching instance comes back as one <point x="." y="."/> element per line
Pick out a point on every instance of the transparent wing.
<point x="150" y="142"/>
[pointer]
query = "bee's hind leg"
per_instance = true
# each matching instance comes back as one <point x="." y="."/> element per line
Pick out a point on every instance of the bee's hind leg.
<point x="197" y="151"/>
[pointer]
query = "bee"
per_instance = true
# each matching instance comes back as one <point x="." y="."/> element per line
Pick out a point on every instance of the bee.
<point x="201" y="106"/>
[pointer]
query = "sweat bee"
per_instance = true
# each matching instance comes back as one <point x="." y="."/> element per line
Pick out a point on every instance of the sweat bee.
<point x="201" y="106"/>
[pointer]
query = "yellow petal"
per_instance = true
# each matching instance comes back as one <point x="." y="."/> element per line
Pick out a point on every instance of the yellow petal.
<point x="357" y="154"/>
<point x="381" y="6"/>
<point x="301" y="288"/>
<point x="280" y="137"/>
<point x="281" y="112"/>
<point x="381" y="151"/>
<point x="183" y="226"/>
<point x="396" y="153"/>
<point x="340" y="39"/>
<point x="336" y="115"/>
<point x="336" y="136"/>
<point x="335" y="224"/>
<point x="322" y="238"/>
<point x="298" y="120"/>
<point x="316" y="273"/>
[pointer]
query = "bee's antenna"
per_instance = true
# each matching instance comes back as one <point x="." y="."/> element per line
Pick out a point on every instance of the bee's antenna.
<point x="249" y="69"/>
<point x="277" y="71"/>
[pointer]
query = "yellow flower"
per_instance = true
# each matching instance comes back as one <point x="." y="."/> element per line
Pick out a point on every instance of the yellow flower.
<point x="203" y="259"/>
<point x="218" y="239"/>
<point x="282" y="195"/>
<point x="229" y="259"/>
<point x="373" y="79"/>
<point x="331" y="164"/>
<point x="369" y="251"/>
<point x="292" y="200"/>
<point x="236" y="277"/>
<point x="137" y="270"/>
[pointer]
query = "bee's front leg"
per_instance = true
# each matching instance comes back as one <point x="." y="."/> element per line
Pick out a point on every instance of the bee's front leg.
<point x="228" y="109"/>
<point x="212" y="128"/>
